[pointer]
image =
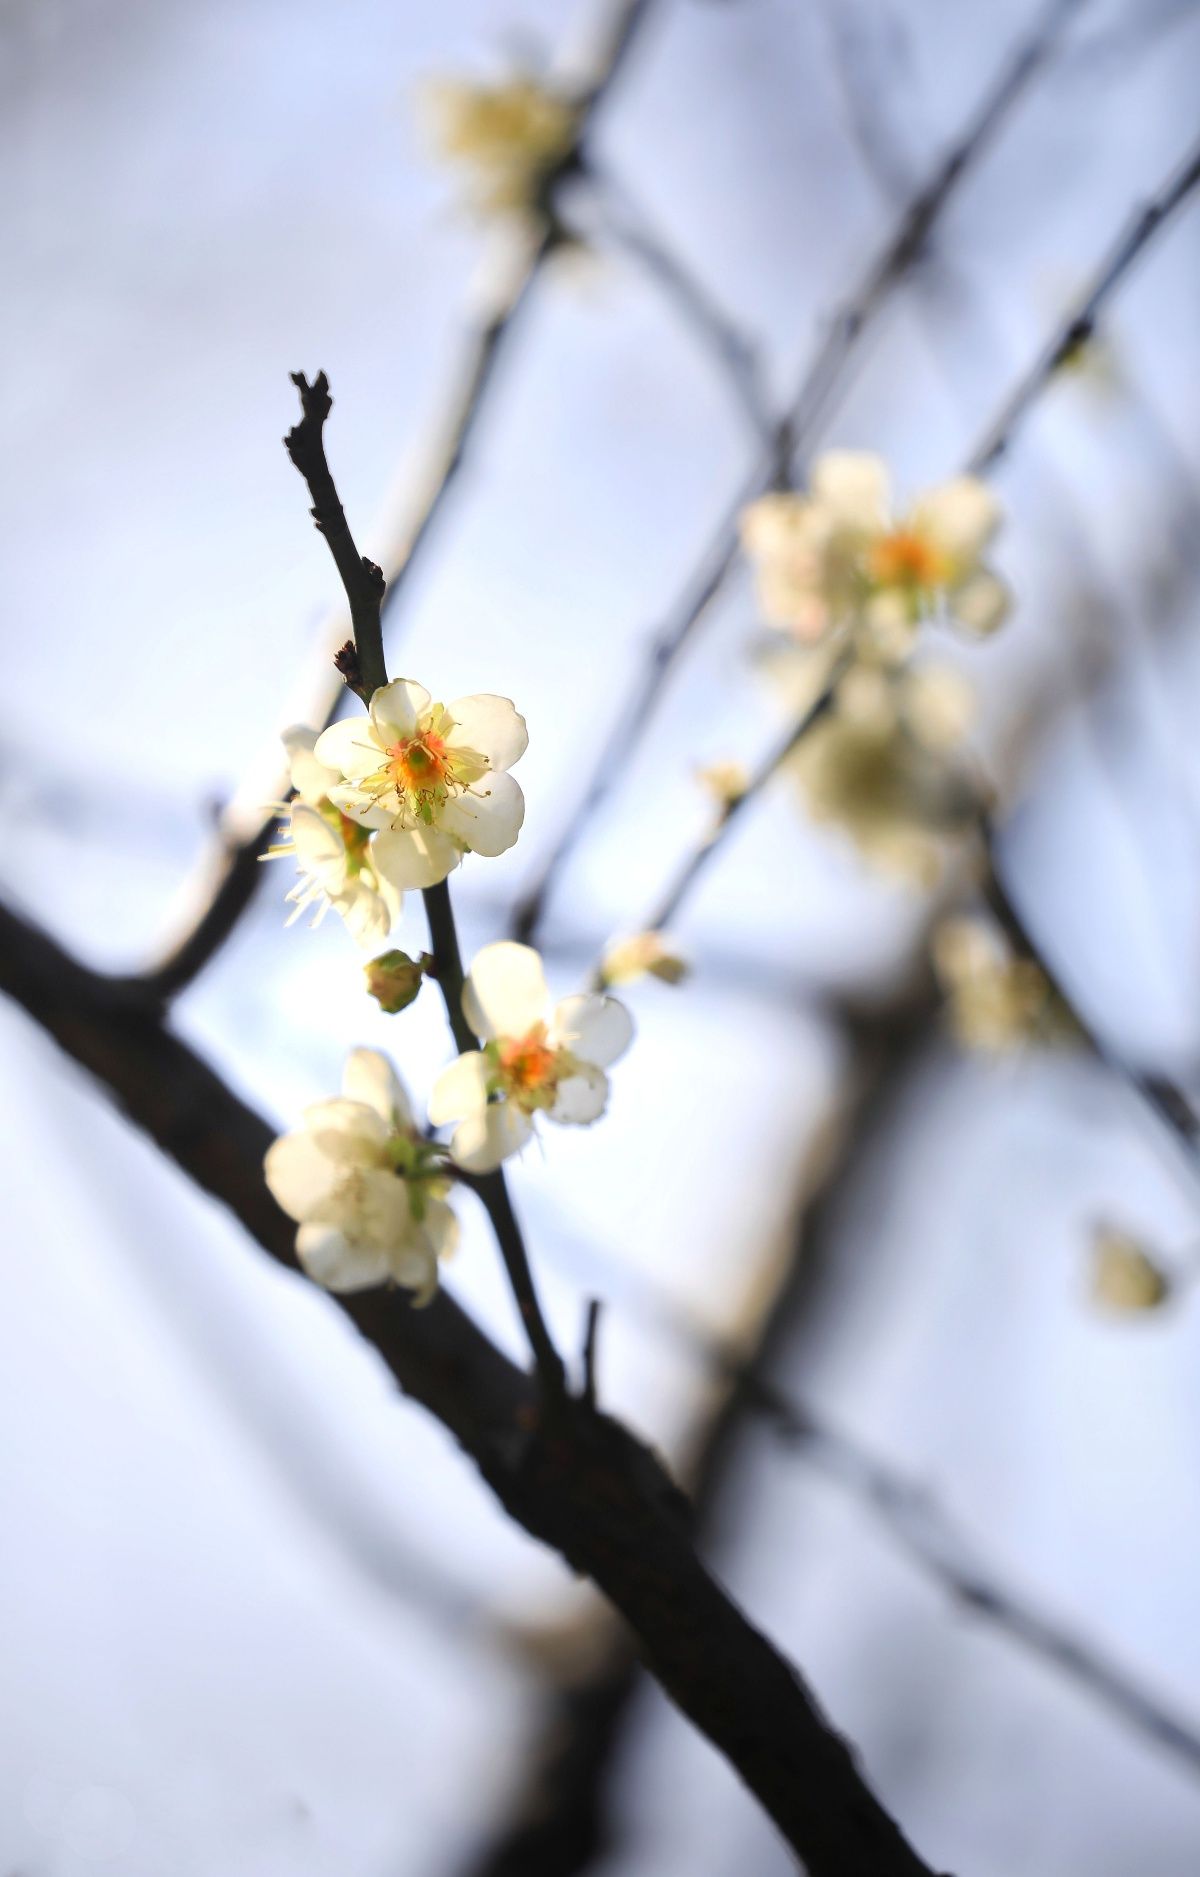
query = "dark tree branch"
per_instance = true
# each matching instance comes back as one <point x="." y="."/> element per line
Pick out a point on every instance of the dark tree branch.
<point x="583" y="1484"/>
<point x="793" y="433"/>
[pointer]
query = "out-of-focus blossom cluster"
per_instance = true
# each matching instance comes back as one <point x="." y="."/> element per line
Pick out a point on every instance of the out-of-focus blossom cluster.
<point x="997" y="1001"/>
<point x="643" y="955"/>
<point x="837" y="560"/>
<point x="881" y="765"/>
<point x="505" y="138"/>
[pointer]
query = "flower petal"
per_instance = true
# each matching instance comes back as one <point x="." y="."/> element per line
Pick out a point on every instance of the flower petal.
<point x="413" y="858"/>
<point x="349" y="746"/>
<point x="483" y="1140"/>
<point x="980" y="604"/>
<point x="596" y="1029"/>
<point x="854" y="486"/>
<point x="961" y="516"/>
<point x="491" y="725"/>
<point x="581" y="1098"/>
<point x="488" y="818"/>
<point x="460" y="1089"/>
<point x="440" y="1227"/>
<point x="349" y="1132"/>
<point x="505" y="993"/>
<point x="310" y="779"/>
<point x="298" y="1174"/>
<point x="369" y="1077"/>
<point x="368" y="915"/>
<point x="414" y="1265"/>
<point x="320" y="850"/>
<point x="396" y="708"/>
<point x="339" y="1263"/>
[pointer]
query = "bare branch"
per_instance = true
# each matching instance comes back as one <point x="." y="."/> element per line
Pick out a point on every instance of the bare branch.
<point x="793" y="433"/>
<point x="585" y="1485"/>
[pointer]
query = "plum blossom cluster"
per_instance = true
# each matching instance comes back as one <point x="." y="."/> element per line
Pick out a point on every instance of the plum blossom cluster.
<point x="839" y="560"/>
<point x="538" y="1058"/>
<point x="884" y="765"/>
<point x="365" y="1186"/>
<point x="392" y="802"/>
<point x="505" y="138"/>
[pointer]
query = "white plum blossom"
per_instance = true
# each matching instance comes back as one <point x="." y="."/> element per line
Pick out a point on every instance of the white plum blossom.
<point x="537" y="1058"/>
<point x="838" y="558"/>
<point x="432" y="778"/>
<point x="335" y="855"/>
<point x="505" y="137"/>
<point x="365" y="1186"/>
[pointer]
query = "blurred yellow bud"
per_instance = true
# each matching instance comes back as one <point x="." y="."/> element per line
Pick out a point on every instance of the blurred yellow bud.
<point x="997" y="1002"/>
<point x="1125" y="1277"/>
<point x="726" y="782"/>
<point x="646" y="954"/>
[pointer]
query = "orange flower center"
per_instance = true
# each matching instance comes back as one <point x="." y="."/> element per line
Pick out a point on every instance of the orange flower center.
<point x="526" y="1062"/>
<point x="419" y="764"/>
<point x="906" y="559"/>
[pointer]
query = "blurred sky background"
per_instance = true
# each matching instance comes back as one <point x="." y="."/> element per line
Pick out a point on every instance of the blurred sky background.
<point x="256" y="1616"/>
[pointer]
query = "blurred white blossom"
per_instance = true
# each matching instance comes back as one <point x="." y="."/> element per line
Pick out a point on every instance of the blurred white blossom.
<point x="644" y="954"/>
<point x="335" y="855"/>
<point x="505" y="138"/>
<point x="837" y="559"/>
<point x="364" y="1185"/>
<point x="997" y="1001"/>
<point x="537" y="1058"/>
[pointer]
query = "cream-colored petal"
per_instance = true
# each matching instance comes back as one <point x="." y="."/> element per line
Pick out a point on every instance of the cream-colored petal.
<point x="414" y="1265"/>
<point x="440" y="1227"/>
<point x="361" y="807"/>
<point x="411" y="859"/>
<point x="581" y="1098"/>
<point x="505" y="993"/>
<point x="483" y="1140"/>
<point x="491" y="725"/>
<point x="299" y="1176"/>
<point x="488" y="818"/>
<point x="348" y="1133"/>
<point x="310" y="779"/>
<point x="320" y="849"/>
<point x="370" y="1078"/>
<point x="854" y="486"/>
<point x="396" y="709"/>
<point x="367" y="915"/>
<point x="339" y="1263"/>
<point x="597" y="1029"/>
<point x="350" y="747"/>
<point x="460" y="1089"/>
<point x="980" y="605"/>
<point x="961" y="516"/>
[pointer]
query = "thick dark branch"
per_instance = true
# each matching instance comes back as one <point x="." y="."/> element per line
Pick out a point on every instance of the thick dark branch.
<point x="582" y="1484"/>
<point x="1080" y="324"/>
<point x="362" y="579"/>
<point x="793" y="432"/>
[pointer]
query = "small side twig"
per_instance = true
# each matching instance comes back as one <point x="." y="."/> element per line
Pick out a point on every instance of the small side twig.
<point x="590" y="1335"/>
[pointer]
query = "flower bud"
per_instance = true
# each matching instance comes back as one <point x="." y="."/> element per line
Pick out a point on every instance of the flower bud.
<point x="393" y="979"/>
<point x="1125" y="1278"/>
<point x="645" y="954"/>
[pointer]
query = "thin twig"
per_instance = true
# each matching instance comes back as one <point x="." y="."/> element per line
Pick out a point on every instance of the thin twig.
<point x="583" y="1485"/>
<point x="793" y="432"/>
<point x="226" y="879"/>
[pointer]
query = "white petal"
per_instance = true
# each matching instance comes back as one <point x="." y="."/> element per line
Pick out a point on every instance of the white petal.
<point x="491" y="725"/>
<point x="414" y="1265"/>
<point x="368" y="915"/>
<point x="483" y="1140"/>
<point x="460" y="1089"/>
<point x="581" y="1098"/>
<point x="298" y="1174"/>
<point x="396" y="708"/>
<point x="369" y="1077"/>
<point x="596" y="1029"/>
<point x="310" y="779"/>
<point x="980" y="604"/>
<point x="331" y="1259"/>
<point x="854" y="486"/>
<point x="320" y="849"/>
<point x="413" y="858"/>
<point x="488" y="817"/>
<point x="350" y="746"/>
<point x="350" y="798"/>
<point x="347" y="1131"/>
<point x="961" y="516"/>
<point x="440" y="1227"/>
<point x="505" y="993"/>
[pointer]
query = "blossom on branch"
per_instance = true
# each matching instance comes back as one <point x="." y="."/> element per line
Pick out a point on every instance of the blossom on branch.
<point x="644" y="954"/>
<point x="538" y="1058"/>
<point x="365" y="1187"/>
<point x="837" y="559"/>
<point x="431" y="778"/>
<point x="997" y="1001"/>
<point x="334" y="854"/>
<point x="506" y="138"/>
